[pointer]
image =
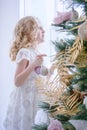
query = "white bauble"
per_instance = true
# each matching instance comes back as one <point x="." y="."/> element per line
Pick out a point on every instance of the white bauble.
<point x="85" y="102"/>
<point x="41" y="117"/>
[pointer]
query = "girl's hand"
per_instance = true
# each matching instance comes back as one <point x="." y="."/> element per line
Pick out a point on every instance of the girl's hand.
<point x="39" y="59"/>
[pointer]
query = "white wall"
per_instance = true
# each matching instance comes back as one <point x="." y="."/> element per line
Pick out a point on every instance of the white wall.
<point x="9" y="14"/>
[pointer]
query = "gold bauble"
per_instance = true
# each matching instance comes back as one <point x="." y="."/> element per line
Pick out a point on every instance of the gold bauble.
<point x="82" y="31"/>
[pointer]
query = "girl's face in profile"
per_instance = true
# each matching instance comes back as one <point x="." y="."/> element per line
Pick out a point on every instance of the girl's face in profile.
<point x="41" y="34"/>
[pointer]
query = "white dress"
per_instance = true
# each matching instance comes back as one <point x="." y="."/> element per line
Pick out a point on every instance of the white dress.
<point x="23" y="101"/>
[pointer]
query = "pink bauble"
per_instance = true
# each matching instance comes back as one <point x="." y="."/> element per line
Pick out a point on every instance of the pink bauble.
<point x="37" y="69"/>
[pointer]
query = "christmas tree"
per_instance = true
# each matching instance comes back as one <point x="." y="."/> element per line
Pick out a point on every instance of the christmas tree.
<point x="65" y="93"/>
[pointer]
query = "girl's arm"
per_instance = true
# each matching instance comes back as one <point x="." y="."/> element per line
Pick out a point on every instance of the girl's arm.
<point x="24" y="69"/>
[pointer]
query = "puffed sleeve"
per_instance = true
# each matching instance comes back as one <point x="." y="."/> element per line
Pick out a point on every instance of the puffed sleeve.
<point x="23" y="54"/>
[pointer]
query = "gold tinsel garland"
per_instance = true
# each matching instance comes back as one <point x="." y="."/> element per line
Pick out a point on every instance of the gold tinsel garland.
<point x="54" y="91"/>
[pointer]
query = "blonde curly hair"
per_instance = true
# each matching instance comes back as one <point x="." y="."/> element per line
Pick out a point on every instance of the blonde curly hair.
<point x="25" y="35"/>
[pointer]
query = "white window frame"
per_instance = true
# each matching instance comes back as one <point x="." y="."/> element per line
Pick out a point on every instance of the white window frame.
<point x="24" y="8"/>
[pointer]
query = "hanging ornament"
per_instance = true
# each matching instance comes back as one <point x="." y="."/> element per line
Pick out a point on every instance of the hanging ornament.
<point x="41" y="70"/>
<point x="74" y="15"/>
<point x="37" y="69"/>
<point x="82" y="31"/>
<point x="41" y="117"/>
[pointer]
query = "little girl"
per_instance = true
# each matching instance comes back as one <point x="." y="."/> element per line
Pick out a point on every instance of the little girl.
<point x="28" y="34"/>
